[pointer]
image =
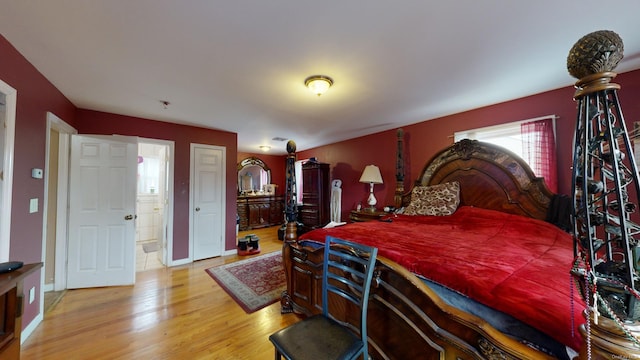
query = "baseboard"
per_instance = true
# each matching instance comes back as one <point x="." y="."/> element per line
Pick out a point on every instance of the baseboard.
<point x="181" y="262"/>
<point x="29" y="329"/>
<point x="188" y="261"/>
<point x="48" y="287"/>
<point x="230" y="252"/>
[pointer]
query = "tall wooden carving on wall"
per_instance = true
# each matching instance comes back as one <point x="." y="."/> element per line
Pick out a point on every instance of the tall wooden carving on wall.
<point x="397" y="198"/>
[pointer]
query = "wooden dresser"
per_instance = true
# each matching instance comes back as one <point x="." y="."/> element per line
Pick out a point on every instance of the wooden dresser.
<point x="11" y="305"/>
<point x="316" y="195"/>
<point x="257" y="211"/>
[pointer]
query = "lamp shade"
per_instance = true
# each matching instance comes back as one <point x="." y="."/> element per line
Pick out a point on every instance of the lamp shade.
<point x="371" y="175"/>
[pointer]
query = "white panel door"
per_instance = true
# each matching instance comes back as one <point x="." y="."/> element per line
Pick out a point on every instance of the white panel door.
<point x="207" y="200"/>
<point x="7" y="140"/>
<point x="102" y="202"/>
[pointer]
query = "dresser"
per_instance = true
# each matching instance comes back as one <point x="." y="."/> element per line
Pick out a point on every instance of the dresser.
<point x="316" y="195"/>
<point x="257" y="211"/>
<point x="11" y="306"/>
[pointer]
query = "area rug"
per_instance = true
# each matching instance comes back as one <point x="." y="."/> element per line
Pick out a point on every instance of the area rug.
<point x="253" y="283"/>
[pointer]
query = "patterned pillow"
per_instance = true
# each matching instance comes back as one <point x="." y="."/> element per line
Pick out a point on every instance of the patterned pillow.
<point x="436" y="200"/>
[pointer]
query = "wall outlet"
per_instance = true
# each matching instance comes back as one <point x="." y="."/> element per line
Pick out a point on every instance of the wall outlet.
<point x="32" y="295"/>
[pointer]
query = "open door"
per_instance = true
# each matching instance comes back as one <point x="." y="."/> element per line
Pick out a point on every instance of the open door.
<point x="101" y="248"/>
<point x="8" y="100"/>
<point x="163" y="240"/>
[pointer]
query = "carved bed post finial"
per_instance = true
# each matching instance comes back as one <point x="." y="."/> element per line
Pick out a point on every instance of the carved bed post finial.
<point x="592" y="60"/>
<point x="399" y="170"/>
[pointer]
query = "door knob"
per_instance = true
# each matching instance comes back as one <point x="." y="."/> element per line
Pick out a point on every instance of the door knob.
<point x="128" y="217"/>
<point x="197" y="209"/>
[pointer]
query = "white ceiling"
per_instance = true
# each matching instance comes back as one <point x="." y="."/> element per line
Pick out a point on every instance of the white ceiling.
<point x="240" y="65"/>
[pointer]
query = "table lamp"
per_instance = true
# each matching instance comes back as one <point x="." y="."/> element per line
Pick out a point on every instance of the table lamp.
<point x="371" y="175"/>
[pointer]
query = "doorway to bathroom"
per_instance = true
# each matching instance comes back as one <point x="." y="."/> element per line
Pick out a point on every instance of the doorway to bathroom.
<point x="152" y="199"/>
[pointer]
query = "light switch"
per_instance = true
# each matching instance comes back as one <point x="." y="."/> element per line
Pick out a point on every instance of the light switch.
<point x="33" y="205"/>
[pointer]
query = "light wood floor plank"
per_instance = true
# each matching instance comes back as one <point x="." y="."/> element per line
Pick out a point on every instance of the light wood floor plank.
<point x="170" y="313"/>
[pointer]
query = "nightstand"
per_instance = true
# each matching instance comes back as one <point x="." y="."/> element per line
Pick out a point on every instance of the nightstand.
<point x="366" y="215"/>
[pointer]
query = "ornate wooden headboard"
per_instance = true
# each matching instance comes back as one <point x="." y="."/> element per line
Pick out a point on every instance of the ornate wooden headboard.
<point x="490" y="177"/>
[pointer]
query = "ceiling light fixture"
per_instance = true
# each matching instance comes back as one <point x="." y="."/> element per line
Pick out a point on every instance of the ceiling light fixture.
<point x="265" y="148"/>
<point x="318" y="83"/>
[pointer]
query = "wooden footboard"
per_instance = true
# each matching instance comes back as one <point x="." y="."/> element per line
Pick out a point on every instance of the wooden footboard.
<point x="406" y="320"/>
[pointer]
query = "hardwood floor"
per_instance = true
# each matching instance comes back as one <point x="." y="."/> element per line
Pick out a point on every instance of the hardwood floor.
<point x="170" y="313"/>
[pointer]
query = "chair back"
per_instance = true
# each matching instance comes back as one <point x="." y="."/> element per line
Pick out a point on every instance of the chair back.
<point x="346" y="281"/>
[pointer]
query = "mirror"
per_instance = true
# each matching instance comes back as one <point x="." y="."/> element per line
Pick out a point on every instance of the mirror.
<point x="254" y="177"/>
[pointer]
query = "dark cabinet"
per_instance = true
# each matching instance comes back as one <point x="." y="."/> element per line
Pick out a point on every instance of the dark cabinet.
<point x="277" y="212"/>
<point x="259" y="214"/>
<point x="11" y="306"/>
<point x="316" y="195"/>
<point x="304" y="266"/>
<point x="260" y="211"/>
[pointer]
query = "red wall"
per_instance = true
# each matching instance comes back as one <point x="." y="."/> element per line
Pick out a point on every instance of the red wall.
<point x="35" y="97"/>
<point x="93" y="122"/>
<point x="423" y="140"/>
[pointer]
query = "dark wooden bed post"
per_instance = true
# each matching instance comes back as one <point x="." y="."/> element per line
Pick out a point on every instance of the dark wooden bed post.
<point x="604" y="170"/>
<point x="291" y="207"/>
<point x="397" y="198"/>
<point x="291" y="226"/>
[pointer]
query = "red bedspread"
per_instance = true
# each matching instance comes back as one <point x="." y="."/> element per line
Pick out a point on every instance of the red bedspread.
<point x="514" y="264"/>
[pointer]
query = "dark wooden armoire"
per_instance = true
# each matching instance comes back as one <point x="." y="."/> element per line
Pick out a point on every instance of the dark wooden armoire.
<point x="316" y="195"/>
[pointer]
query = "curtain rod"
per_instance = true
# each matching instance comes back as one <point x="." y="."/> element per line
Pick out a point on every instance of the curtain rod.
<point x="552" y="116"/>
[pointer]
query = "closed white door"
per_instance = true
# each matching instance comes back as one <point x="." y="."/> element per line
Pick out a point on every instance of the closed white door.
<point x="102" y="200"/>
<point x="207" y="200"/>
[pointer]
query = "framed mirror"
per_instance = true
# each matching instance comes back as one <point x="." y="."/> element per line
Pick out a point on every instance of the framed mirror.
<point x="254" y="177"/>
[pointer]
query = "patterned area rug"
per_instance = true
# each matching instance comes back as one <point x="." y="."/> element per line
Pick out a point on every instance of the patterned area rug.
<point x="253" y="283"/>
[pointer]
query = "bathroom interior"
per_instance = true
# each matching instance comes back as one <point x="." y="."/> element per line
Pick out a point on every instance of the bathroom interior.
<point x="151" y="200"/>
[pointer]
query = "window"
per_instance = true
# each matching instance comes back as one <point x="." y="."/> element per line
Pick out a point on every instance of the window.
<point x="148" y="174"/>
<point x="533" y="140"/>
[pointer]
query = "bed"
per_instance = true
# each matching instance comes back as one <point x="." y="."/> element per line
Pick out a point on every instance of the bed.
<point x="490" y="280"/>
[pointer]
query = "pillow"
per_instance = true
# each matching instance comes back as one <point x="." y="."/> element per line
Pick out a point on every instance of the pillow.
<point x="436" y="200"/>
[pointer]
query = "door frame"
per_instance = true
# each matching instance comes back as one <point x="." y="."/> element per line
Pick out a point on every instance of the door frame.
<point x="223" y="195"/>
<point x="11" y="96"/>
<point x="64" y="152"/>
<point x="168" y="209"/>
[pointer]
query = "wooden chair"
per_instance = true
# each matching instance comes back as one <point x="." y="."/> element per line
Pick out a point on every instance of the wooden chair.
<point x="346" y="280"/>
